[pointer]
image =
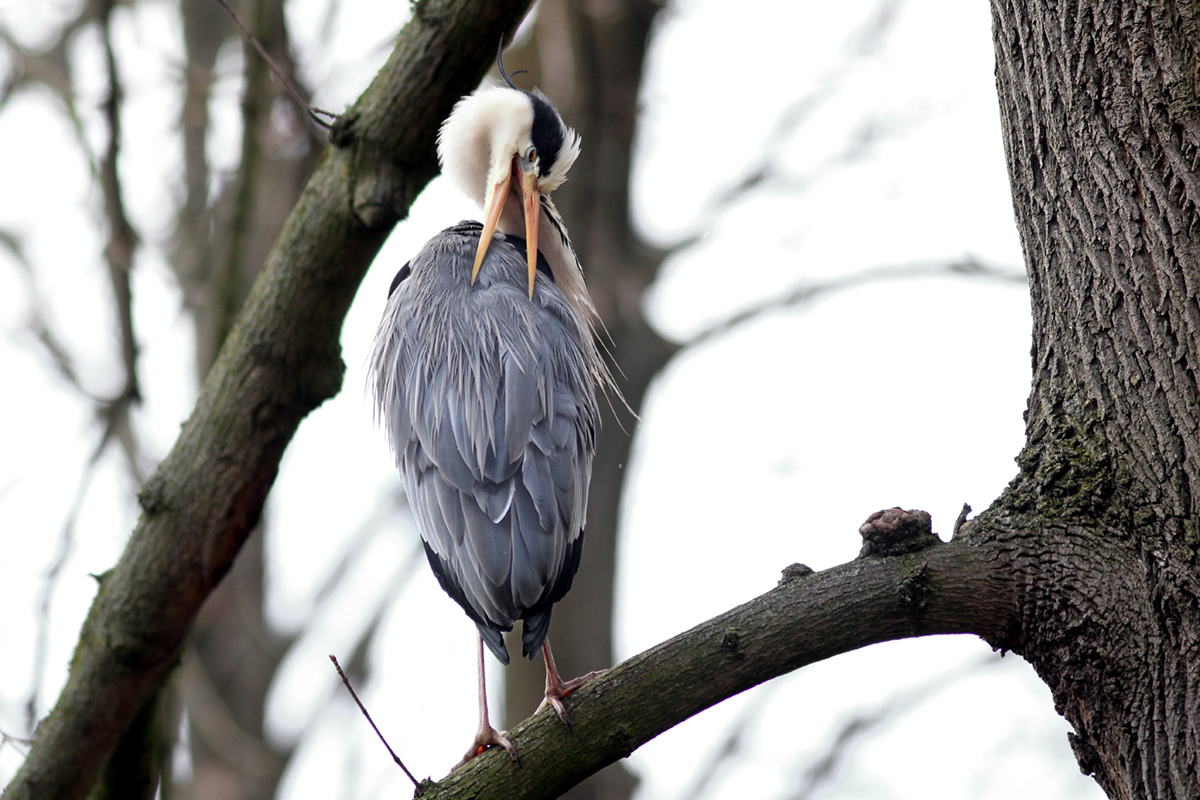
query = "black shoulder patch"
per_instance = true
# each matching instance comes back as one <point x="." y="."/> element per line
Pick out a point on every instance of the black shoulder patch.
<point x="543" y="266"/>
<point x="547" y="132"/>
<point x="404" y="272"/>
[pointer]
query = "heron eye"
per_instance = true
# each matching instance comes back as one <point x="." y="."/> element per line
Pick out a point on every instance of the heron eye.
<point x="530" y="154"/>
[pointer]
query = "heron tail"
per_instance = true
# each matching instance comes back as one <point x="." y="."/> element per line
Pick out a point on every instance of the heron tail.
<point x="494" y="639"/>
<point x="537" y="627"/>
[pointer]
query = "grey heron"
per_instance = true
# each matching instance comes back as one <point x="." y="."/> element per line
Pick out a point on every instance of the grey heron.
<point x="484" y="370"/>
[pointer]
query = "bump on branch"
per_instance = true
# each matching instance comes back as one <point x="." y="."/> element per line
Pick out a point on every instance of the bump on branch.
<point x="896" y="532"/>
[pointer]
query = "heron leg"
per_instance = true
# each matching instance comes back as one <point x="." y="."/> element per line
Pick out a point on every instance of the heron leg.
<point x="556" y="687"/>
<point x="487" y="736"/>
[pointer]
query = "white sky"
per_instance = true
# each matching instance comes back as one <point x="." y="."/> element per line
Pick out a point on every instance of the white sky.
<point x="757" y="449"/>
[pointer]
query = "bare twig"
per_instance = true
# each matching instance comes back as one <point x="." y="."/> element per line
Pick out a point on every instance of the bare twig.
<point x="968" y="266"/>
<point x="38" y="322"/>
<point x="118" y="253"/>
<point x="66" y="544"/>
<point x="50" y="68"/>
<point x="16" y="742"/>
<point x="366" y="714"/>
<point x="862" y="43"/>
<point x="314" y="113"/>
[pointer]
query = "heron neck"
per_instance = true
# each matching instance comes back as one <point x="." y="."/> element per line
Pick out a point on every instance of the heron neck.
<point x="555" y="245"/>
<point x="512" y="216"/>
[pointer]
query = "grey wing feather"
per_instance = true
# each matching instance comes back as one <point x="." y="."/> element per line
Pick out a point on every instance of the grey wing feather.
<point x="522" y="405"/>
<point x="495" y="498"/>
<point x="537" y="481"/>
<point x="490" y="407"/>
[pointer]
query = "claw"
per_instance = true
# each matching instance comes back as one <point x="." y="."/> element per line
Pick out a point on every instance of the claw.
<point x="556" y="688"/>
<point x="486" y="737"/>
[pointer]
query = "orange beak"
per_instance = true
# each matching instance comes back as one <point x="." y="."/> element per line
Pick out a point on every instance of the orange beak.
<point x="497" y="194"/>
<point x="533" y="210"/>
<point x="494" y="205"/>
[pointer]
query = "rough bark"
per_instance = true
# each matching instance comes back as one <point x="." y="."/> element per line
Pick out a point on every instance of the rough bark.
<point x="279" y="362"/>
<point x="1102" y="133"/>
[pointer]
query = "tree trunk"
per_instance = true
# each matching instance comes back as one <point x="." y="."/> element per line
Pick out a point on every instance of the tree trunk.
<point x="1102" y="134"/>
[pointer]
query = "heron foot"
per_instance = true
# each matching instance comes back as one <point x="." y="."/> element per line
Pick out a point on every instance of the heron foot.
<point x="556" y="690"/>
<point x="486" y="737"/>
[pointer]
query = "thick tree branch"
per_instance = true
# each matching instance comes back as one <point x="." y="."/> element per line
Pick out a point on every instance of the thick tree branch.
<point x="946" y="588"/>
<point x="279" y="362"/>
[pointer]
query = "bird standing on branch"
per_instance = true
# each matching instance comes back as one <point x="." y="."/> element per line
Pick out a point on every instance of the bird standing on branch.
<point x="484" y="370"/>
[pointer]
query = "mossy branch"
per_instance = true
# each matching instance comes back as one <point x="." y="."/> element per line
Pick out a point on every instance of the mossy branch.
<point x="808" y="617"/>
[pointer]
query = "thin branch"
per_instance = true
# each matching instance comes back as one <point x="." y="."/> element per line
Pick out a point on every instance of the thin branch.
<point x="819" y="773"/>
<point x="38" y="322"/>
<point x="967" y="267"/>
<point x="66" y="545"/>
<point x="60" y="357"/>
<point x="862" y="43"/>
<point x="118" y="253"/>
<point x="860" y="143"/>
<point x="232" y="266"/>
<point x="313" y="113"/>
<point x="15" y="742"/>
<point x="383" y="513"/>
<point x="50" y="67"/>
<point x="113" y="412"/>
<point x="374" y="727"/>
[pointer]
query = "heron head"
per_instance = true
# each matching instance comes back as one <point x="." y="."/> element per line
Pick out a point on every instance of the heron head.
<point x="499" y="136"/>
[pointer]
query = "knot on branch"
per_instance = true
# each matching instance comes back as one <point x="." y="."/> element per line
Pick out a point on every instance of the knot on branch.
<point x="343" y="132"/>
<point x="621" y="742"/>
<point x="895" y="532"/>
<point x="794" y="572"/>
<point x="731" y="643"/>
<point x="153" y="496"/>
